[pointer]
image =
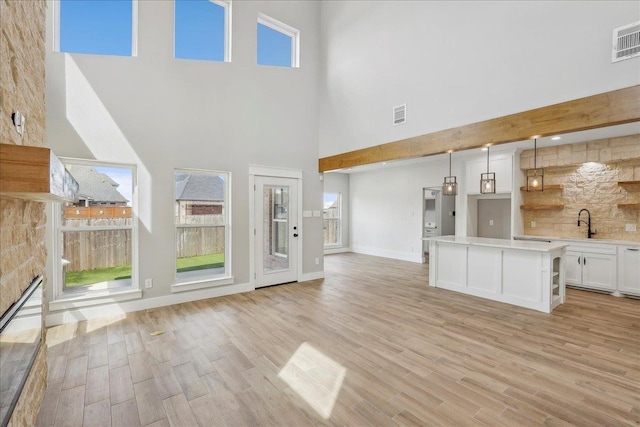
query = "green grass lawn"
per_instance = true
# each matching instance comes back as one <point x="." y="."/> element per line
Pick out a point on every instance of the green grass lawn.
<point x="80" y="278"/>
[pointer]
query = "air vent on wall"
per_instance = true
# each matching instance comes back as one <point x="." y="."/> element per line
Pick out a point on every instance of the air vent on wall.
<point x="626" y="42"/>
<point x="399" y="114"/>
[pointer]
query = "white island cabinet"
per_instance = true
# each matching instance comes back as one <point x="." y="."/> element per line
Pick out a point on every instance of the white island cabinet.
<point x="526" y="274"/>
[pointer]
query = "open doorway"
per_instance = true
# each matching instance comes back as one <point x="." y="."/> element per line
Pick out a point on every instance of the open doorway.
<point x="438" y="216"/>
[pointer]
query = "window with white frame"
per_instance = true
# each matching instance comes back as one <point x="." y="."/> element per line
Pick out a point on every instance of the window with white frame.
<point x="202" y="30"/>
<point x="278" y="43"/>
<point x="96" y="237"/>
<point x="202" y="220"/>
<point x="332" y="218"/>
<point x="105" y="27"/>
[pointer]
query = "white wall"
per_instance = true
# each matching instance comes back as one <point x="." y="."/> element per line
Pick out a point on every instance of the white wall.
<point x="386" y="203"/>
<point x="160" y="113"/>
<point x="386" y="207"/>
<point x="455" y="63"/>
<point x="339" y="183"/>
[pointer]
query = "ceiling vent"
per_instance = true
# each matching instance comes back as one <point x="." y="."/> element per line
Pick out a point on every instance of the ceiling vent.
<point x="399" y="114"/>
<point x="626" y="42"/>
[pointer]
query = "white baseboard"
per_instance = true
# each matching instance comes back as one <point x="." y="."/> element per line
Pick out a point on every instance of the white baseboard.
<point x="311" y="276"/>
<point x="384" y="253"/>
<point x="336" y="250"/>
<point x="84" y="313"/>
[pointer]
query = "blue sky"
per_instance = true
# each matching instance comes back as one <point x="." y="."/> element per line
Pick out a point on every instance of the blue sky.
<point x="105" y="27"/>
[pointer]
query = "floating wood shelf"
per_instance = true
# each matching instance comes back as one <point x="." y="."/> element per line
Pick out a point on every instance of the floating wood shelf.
<point x="541" y="207"/>
<point x="547" y="187"/>
<point x="34" y="173"/>
<point x="628" y="205"/>
<point x="629" y="185"/>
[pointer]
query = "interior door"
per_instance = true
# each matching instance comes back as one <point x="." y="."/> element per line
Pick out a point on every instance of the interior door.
<point x="276" y="231"/>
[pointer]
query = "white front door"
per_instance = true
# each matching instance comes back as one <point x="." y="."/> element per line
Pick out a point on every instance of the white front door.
<point x="276" y="230"/>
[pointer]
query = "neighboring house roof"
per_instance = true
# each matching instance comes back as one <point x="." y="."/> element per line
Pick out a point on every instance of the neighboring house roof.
<point x="96" y="186"/>
<point x="199" y="187"/>
<point x="331" y="205"/>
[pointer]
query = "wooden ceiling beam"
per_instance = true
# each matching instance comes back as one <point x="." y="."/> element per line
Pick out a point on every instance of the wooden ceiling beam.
<point x="596" y="111"/>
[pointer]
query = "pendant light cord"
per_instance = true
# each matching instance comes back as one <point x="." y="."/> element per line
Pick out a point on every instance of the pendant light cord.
<point x="487" y="159"/>
<point x="449" y="163"/>
<point x="535" y="153"/>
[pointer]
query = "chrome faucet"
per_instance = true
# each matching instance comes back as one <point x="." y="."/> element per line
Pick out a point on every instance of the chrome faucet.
<point x="588" y="222"/>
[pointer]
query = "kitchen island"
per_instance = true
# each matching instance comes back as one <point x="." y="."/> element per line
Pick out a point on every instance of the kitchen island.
<point x="523" y="273"/>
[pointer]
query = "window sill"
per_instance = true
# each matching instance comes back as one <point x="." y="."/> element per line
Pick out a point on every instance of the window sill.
<point x="202" y="284"/>
<point x="336" y="246"/>
<point x="66" y="302"/>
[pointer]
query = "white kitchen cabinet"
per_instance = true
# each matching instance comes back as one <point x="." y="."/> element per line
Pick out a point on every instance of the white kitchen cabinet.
<point x="573" y="268"/>
<point x="526" y="274"/>
<point x="501" y="165"/>
<point x="591" y="266"/>
<point x="629" y="270"/>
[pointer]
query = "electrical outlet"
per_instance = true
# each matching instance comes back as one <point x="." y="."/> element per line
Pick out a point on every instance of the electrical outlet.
<point x="630" y="227"/>
<point x="317" y="261"/>
<point x="491" y="222"/>
<point x="148" y="283"/>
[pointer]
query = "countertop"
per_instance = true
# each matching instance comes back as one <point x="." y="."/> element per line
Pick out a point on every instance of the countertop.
<point x="500" y="243"/>
<point x="577" y="240"/>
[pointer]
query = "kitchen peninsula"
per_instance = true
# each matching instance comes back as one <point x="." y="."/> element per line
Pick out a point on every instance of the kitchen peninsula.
<point x="523" y="273"/>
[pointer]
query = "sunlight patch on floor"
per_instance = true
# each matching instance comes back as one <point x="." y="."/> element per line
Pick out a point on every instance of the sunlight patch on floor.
<point x="315" y="377"/>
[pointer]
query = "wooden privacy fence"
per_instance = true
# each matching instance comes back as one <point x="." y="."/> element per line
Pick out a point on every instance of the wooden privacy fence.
<point x="82" y="212"/>
<point x="331" y="236"/>
<point x="199" y="241"/>
<point x="88" y="250"/>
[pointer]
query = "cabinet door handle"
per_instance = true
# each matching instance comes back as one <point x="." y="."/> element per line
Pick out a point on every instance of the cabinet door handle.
<point x="633" y="249"/>
<point x="584" y="261"/>
<point x="579" y="260"/>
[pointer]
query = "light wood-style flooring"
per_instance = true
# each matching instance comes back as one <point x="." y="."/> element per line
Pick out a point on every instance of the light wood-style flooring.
<point x="370" y="345"/>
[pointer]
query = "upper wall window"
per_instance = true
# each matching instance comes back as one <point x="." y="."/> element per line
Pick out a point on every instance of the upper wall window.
<point x="106" y="27"/>
<point x="203" y="30"/>
<point x="278" y="43"/>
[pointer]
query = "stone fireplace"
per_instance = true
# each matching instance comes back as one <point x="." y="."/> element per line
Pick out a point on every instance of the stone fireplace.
<point x="21" y="336"/>
<point x="22" y="222"/>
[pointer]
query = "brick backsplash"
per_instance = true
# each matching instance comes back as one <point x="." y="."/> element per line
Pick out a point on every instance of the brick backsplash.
<point x="589" y="173"/>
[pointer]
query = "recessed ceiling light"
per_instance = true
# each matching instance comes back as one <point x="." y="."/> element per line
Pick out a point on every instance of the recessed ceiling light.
<point x="484" y="149"/>
<point x="555" y="138"/>
<point x="384" y="163"/>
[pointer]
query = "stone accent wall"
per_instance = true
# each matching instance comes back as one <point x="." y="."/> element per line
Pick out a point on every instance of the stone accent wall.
<point x="22" y="223"/>
<point x="28" y="406"/>
<point x="589" y="173"/>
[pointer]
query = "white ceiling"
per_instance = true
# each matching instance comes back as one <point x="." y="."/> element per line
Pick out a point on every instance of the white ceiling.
<point x="569" y="138"/>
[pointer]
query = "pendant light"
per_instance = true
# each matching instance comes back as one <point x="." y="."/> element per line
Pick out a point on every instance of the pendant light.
<point x="450" y="186"/>
<point x="487" y="180"/>
<point x="535" y="176"/>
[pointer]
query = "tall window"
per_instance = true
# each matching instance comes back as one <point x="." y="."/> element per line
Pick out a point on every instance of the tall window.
<point x="278" y="43"/>
<point x="332" y="218"/>
<point x="96" y="237"/>
<point x="105" y="27"/>
<point x="203" y="30"/>
<point x="202" y="226"/>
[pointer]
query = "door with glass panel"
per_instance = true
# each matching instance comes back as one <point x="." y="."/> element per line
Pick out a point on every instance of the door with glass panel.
<point x="276" y="231"/>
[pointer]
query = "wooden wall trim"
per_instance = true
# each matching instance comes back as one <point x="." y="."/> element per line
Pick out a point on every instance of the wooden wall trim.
<point x="596" y="111"/>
